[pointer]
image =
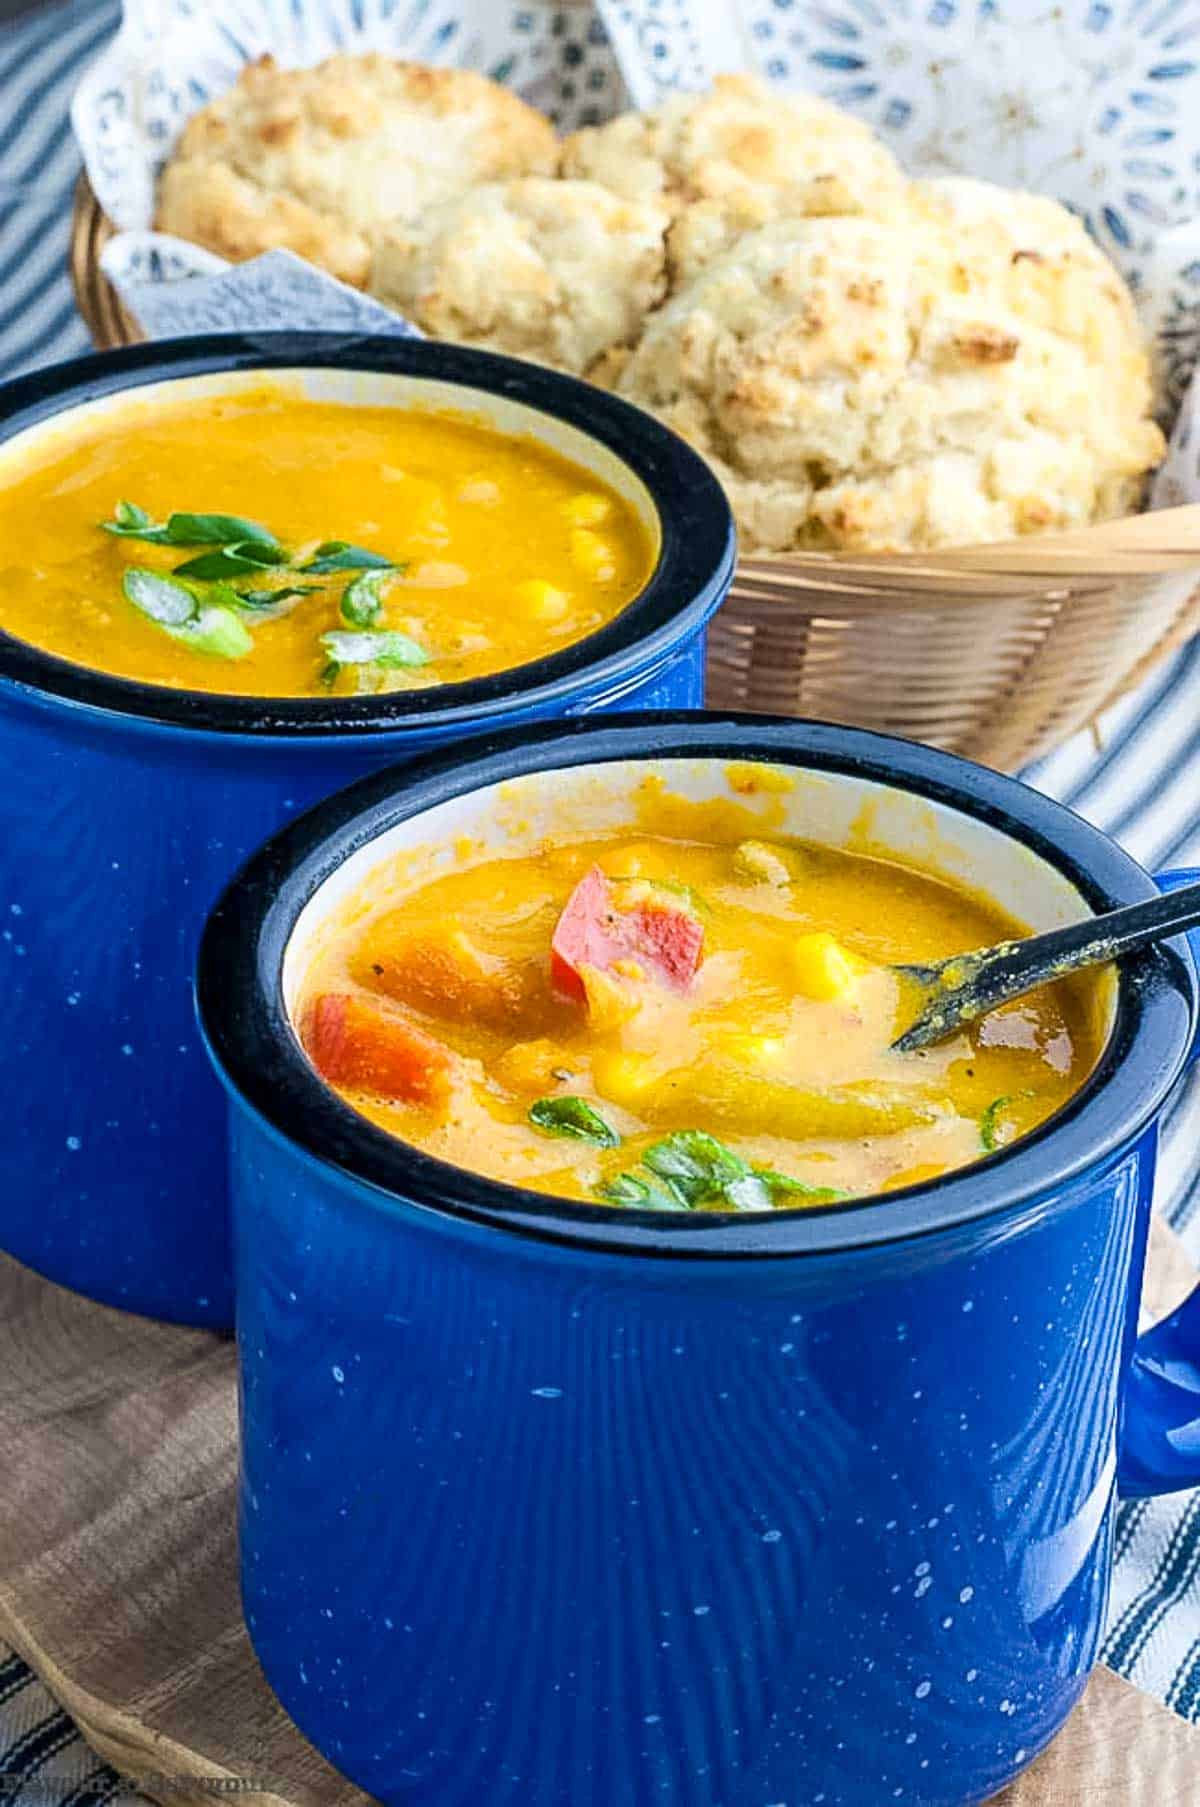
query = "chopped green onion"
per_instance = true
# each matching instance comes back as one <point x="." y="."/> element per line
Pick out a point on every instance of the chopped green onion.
<point x="340" y="555"/>
<point x="784" y="1184"/>
<point x="236" y="547"/>
<point x="573" y="1117"/>
<point x="691" y="1168"/>
<point x="695" y="1165"/>
<point x="217" y="530"/>
<point x="373" y="649"/>
<point x="270" y="599"/>
<point x="990" y="1126"/>
<point x="169" y="603"/>
<point x="362" y="601"/>
<point x="231" y="561"/>
<point x="214" y="628"/>
<point x="133" y="523"/>
<point x="628" y="1189"/>
<point x="750" y="1193"/>
<point x="217" y="631"/>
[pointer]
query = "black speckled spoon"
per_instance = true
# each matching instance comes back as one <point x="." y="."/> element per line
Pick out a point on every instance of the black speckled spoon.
<point x="957" y="991"/>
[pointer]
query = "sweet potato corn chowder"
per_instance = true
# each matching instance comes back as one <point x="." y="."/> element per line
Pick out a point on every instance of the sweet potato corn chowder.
<point x="682" y="1017"/>
<point x="264" y="544"/>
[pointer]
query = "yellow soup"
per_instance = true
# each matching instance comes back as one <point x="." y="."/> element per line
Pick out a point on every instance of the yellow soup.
<point x="262" y="544"/>
<point x="692" y="1023"/>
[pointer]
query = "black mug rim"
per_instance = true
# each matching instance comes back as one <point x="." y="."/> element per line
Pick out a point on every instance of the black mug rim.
<point x="693" y="569"/>
<point x="249" y="1037"/>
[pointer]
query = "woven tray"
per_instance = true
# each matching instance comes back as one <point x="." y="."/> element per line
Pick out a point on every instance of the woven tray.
<point x="118" y="1572"/>
<point x="1001" y="681"/>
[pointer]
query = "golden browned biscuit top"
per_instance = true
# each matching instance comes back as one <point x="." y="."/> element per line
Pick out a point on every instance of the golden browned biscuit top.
<point x="324" y="160"/>
<point x="737" y="140"/>
<point x="969" y="369"/>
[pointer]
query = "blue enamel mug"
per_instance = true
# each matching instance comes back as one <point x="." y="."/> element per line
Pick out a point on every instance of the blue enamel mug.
<point x="561" y="1505"/>
<point x="124" y="807"/>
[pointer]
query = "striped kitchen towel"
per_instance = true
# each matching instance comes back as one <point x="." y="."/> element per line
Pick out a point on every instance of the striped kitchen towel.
<point x="1143" y="787"/>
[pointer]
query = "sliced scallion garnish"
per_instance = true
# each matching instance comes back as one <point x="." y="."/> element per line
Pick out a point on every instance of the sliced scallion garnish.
<point x="211" y="627"/>
<point x="201" y="604"/>
<point x="246" y="556"/>
<point x="217" y="631"/>
<point x="630" y="1190"/>
<point x="691" y="1168"/>
<point x="566" y="1116"/>
<point x="168" y="603"/>
<point x="272" y="599"/>
<point x="340" y="555"/>
<point x="384" y="648"/>
<point x="184" y="529"/>
<point x="362" y="599"/>
<point x="130" y="522"/>
<point x="994" y="1133"/>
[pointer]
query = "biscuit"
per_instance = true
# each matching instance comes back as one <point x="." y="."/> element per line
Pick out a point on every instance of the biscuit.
<point x="969" y="369"/>
<point x="324" y="160"/>
<point x="741" y="137"/>
<point x="560" y="271"/>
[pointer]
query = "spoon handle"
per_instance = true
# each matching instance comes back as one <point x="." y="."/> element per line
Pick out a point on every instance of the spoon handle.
<point x="1015" y="967"/>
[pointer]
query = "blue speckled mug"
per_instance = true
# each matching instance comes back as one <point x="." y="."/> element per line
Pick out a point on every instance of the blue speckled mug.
<point x="556" y="1505"/>
<point x="125" y="807"/>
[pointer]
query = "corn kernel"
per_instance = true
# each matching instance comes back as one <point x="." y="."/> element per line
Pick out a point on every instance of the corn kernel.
<point x="623" y="1079"/>
<point x="592" y="554"/>
<point x="541" y="601"/>
<point x="587" y="509"/>
<point x="763" y="1053"/>
<point x="610" y="1002"/>
<point x="822" y="967"/>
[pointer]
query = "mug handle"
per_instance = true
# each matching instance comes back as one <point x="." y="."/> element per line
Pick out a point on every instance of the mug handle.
<point x="1160" y="1434"/>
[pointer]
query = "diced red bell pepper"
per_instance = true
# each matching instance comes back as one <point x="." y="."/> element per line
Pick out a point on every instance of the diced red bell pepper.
<point x="664" y="940"/>
<point x="353" y="1042"/>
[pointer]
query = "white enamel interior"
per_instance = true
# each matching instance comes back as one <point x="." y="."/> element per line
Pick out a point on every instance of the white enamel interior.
<point x="836" y="810"/>
<point x="353" y="388"/>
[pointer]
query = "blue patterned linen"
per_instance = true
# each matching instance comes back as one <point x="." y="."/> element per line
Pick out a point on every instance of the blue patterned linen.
<point x="1143" y="785"/>
<point x="277" y="289"/>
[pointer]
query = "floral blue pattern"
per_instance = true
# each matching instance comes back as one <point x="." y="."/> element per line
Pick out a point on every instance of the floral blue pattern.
<point x="1177" y="322"/>
<point x="1091" y="101"/>
<point x="276" y="290"/>
<point x="660" y="44"/>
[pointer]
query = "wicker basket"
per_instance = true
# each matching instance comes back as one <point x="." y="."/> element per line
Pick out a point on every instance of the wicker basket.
<point x="1001" y="679"/>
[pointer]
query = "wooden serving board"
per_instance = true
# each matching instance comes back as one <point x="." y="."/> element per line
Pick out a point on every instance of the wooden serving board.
<point x="118" y="1571"/>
